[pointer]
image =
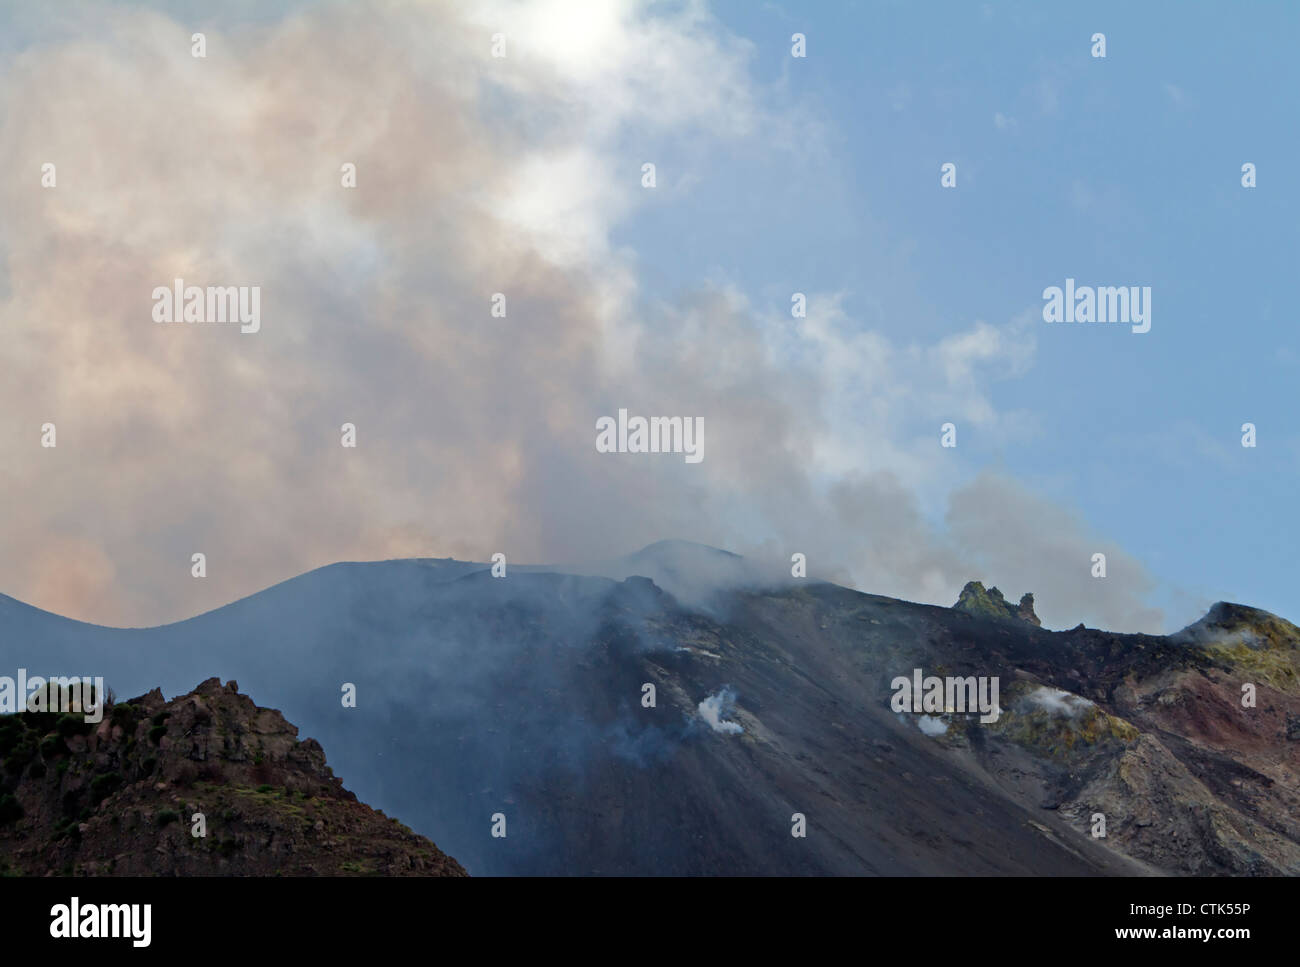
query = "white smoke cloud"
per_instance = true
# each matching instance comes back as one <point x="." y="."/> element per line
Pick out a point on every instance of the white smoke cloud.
<point x="475" y="434"/>
<point x="931" y="725"/>
<point x="713" y="708"/>
<point x="1057" y="702"/>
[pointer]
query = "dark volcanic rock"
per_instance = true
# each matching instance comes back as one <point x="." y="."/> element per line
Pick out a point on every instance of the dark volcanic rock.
<point x="1026" y="610"/>
<point x="121" y="796"/>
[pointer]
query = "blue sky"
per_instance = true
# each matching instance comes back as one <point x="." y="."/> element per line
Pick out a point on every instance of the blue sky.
<point x="1117" y="171"/>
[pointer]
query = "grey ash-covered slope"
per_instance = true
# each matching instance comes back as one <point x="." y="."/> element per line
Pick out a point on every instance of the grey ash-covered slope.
<point x="522" y="697"/>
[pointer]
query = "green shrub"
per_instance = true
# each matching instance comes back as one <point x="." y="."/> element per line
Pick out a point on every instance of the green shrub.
<point x="21" y="754"/>
<point x="101" y="787"/>
<point x="165" y="816"/>
<point x="40" y="722"/>
<point x="125" y="715"/>
<point x="69" y="725"/>
<point x="11" y="733"/>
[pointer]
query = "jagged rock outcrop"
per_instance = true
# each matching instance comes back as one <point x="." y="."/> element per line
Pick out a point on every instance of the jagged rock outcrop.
<point x="990" y="603"/>
<point x="122" y="796"/>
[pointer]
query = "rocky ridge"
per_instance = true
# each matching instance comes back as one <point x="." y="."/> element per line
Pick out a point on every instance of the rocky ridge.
<point x="974" y="599"/>
<point x="127" y="795"/>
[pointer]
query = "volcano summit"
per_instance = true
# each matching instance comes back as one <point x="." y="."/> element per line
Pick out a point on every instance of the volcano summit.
<point x="522" y="698"/>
